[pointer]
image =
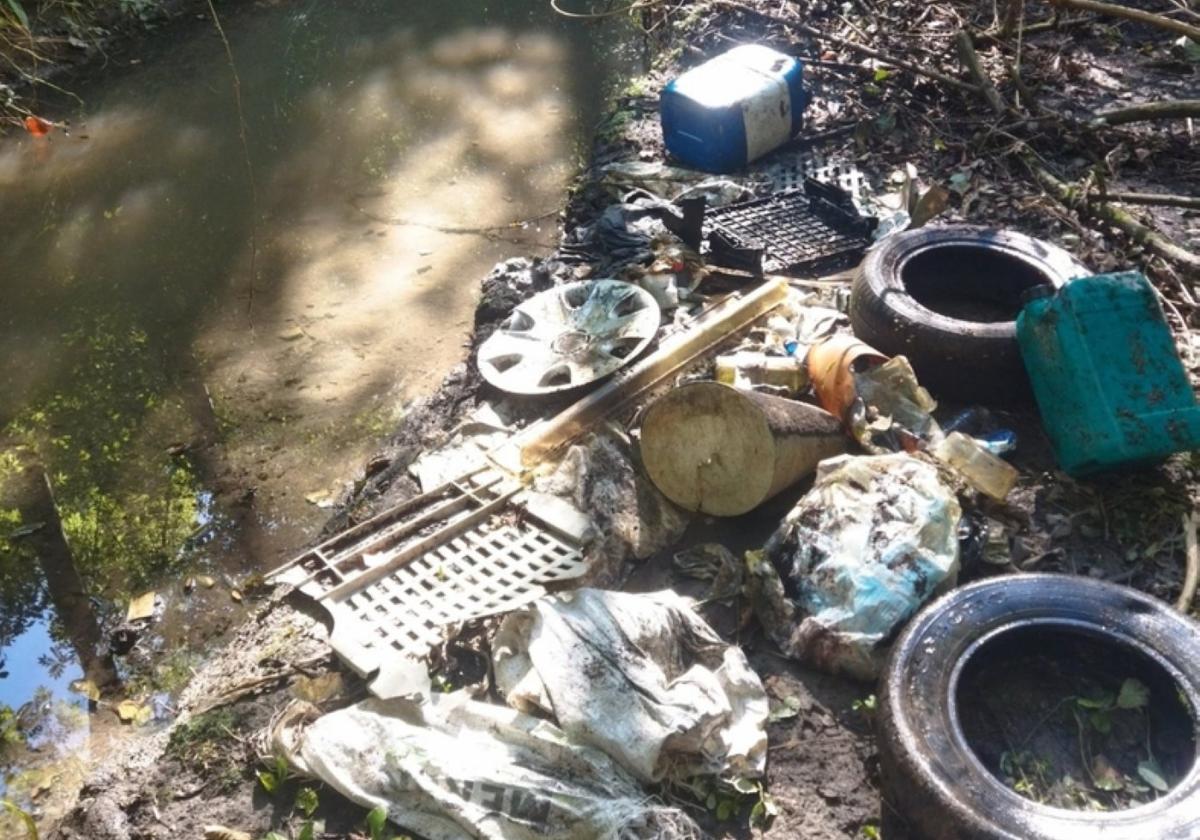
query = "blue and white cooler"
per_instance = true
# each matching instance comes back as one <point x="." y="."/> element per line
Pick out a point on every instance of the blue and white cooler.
<point x="734" y="108"/>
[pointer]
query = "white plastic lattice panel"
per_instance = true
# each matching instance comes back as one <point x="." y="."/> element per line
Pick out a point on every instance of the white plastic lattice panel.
<point x="482" y="572"/>
<point x="462" y="551"/>
<point x="788" y="170"/>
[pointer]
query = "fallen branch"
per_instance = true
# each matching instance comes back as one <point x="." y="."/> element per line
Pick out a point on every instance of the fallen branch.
<point x="1150" y="18"/>
<point x="1159" y="199"/>
<point x="1166" y="110"/>
<point x="1077" y="200"/>
<point x="1053" y="25"/>
<point x="852" y="45"/>
<point x="970" y="60"/>
<point x="1192" y="577"/>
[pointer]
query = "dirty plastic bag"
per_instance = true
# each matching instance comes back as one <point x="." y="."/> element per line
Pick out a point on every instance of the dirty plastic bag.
<point x="641" y="677"/>
<point x="858" y="554"/>
<point x="454" y="768"/>
<point x="632" y="519"/>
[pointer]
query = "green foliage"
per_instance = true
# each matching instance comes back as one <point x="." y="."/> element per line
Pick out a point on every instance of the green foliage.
<point x="865" y="706"/>
<point x="19" y="12"/>
<point x="205" y="745"/>
<point x="726" y="799"/>
<point x="10" y="729"/>
<point x="377" y="824"/>
<point x="1098" y="711"/>
<point x="1028" y="774"/>
<point x="307" y="801"/>
<point x="275" y="776"/>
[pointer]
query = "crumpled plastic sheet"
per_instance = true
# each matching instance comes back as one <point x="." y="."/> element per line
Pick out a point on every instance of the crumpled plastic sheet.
<point x="875" y="538"/>
<point x="624" y="234"/>
<point x="641" y="677"/>
<point x="456" y="768"/>
<point x="632" y="519"/>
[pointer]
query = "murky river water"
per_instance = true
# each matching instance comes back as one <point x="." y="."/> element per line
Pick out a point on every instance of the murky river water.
<point x="200" y="341"/>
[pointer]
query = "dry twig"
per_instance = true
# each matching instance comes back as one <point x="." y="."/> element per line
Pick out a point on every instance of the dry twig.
<point x="1192" y="577"/>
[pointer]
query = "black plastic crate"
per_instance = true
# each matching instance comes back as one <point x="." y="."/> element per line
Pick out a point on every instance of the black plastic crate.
<point x="790" y="232"/>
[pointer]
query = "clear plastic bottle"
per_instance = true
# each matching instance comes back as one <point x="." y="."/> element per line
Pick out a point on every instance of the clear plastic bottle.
<point x="982" y="470"/>
<point x="745" y="370"/>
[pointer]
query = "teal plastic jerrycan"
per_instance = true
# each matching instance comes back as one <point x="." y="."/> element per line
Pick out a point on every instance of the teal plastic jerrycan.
<point x="1108" y="381"/>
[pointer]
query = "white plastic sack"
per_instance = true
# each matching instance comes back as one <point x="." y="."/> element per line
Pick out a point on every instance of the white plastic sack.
<point x="873" y="539"/>
<point x="456" y="768"/>
<point x="641" y="677"/>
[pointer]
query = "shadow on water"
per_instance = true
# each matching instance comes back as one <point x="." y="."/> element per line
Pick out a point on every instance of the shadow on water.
<point x="167" y="415"/>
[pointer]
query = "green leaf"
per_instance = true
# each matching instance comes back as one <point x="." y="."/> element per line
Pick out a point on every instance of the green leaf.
<point x="785" y="710"/>
<point x="306" y="801"/>
<point x="744" y="785"/>
<point x="19" y="11"/>
<point x="960" y="180"/>
<point x="881" y="74"/>
<point x="377" y="823"/>
<point x="726" y="809"/>
<point x="1105" y="701"/>
<point x="1134" y="694"/>
<point x="1152" y="774"/>
<point x="764" y="811"/>
<point x="1101" y="722"/>
<point x="307" y="832"/>
<point x="31" y="832"/>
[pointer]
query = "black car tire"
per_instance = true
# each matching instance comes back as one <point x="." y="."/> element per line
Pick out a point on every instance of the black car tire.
<point x="967" y="349"/>
<point x="933" y="782"/>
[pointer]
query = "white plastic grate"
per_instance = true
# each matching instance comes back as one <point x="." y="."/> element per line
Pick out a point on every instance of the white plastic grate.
<point x="465" y="550"/>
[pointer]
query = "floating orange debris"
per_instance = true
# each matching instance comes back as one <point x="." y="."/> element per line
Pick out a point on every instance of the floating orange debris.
<point x="37" y="126"/>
